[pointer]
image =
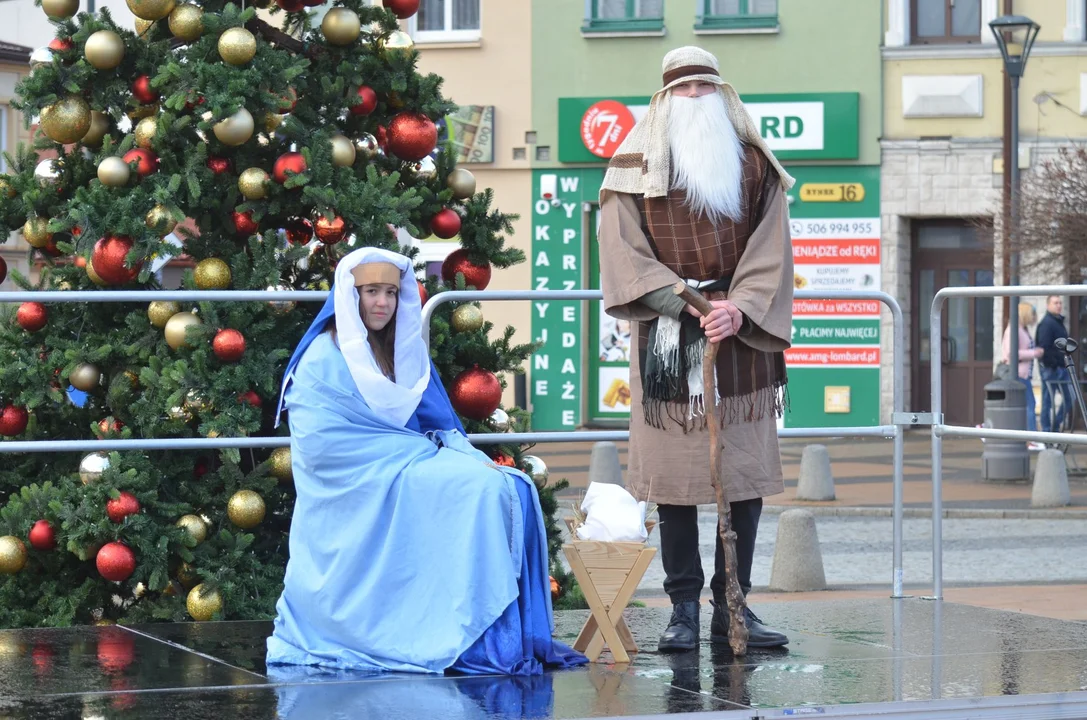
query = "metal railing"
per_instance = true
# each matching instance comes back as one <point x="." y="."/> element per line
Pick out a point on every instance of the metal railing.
<point x="940" y="430"/>
<point x="900" y="418"/>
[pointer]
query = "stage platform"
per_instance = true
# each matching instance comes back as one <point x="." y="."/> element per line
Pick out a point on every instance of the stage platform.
<point x="861" y="658"/>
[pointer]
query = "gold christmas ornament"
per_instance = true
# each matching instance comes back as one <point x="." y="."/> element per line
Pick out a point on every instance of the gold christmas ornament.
<point x="186" y="22"/>
<point x="160" y="220"/>
<point x="212" y="274"/>
<point x="251" y="183"/>
<point x="137" y="113"/>
<point x="46" y="172"/>
<point x="281" y="464"/>
<point x="12" y="555"/>
<point x="367" y="146"/>
<point x="462" y="182"/>
<point x="85" y="377"/>
<point x="179" y="413"/>
<point x="195" y="401"/>
<point x="186" y="575"/>
<point x="104" y="49"/>
<point x="159" y="312"/>
<point x="66" y="121"/>
<point x="237" y="46"/>
<point x="271" y="121"/>
<point x="176" y="327"/>
<point x="425" y="168"/>
<point x="341" y="26"/>
<point x="145" y="132"/>
<point x="245" y="509"/>
<point x="536" y="469"/>
<point x="60" y="9"/>
<point x="343" y="151"/>
<point x="398" y="43"/>
<point x="114" y="172"/>
<point x="6" y="188"/>
<point x="203" y="603"/>
<point x="92" y="466"/>
<point x="36" y="231"/>
<point x="150" y="9"/>
<point x="235" y="129"/>
<point x="467" y="318"/>
<point x="142" y="26"/>
<point x="98" y="129"/>
<point x="194" y="526"/>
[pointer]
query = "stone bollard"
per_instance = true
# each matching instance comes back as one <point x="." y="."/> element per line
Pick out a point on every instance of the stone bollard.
<point x="816" y="480"/>
<point x="1050" y="481"/>
<point x="798" y="561"/>
<point x="604" y="466"/>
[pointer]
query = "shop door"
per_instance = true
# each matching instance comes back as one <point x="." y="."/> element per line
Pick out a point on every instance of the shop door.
<point x="951" y="254"/>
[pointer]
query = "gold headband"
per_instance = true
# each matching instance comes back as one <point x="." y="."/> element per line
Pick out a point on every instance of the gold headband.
<point x="376" y="273"/>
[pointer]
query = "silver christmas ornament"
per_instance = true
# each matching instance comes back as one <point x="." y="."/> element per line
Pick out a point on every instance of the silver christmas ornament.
<point x="92" y="466"/>
<point x="500" y="421"/>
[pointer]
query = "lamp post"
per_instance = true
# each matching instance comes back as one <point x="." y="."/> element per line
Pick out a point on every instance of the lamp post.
<point x="1015" y="34"/>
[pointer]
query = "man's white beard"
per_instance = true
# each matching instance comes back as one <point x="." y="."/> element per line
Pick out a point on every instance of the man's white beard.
<point x="707" y="156"/>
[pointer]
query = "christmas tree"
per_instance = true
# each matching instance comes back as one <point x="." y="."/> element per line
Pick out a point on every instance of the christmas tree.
<point x="259" y="150"/>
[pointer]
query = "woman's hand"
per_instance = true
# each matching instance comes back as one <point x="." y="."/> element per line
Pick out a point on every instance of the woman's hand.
<point x="723" y="322"/>
<point x="1038" y="352"/>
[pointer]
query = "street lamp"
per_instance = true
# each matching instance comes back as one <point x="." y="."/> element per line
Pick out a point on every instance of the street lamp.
<point x="1015" y="35"/>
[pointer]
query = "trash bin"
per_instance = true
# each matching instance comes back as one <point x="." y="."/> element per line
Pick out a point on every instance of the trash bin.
<point x="1005" y="409"/>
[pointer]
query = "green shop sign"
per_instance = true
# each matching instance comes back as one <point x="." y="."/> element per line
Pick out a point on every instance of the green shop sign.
<point x="797" y="126"/>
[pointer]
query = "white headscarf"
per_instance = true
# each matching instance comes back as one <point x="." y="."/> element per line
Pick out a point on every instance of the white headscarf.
<point x="395" y="401"/>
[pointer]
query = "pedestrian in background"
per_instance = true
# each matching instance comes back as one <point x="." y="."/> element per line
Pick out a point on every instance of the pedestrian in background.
<point x="1028" y="353"/>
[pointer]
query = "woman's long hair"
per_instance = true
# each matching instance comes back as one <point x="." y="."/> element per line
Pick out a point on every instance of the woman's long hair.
<point x="382" y="343"/>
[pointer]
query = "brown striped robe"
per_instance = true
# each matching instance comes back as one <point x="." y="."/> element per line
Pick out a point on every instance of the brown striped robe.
<point x="668" y="465"/>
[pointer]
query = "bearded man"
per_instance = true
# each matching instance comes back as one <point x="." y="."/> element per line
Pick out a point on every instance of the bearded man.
<point x="694" y="194"/>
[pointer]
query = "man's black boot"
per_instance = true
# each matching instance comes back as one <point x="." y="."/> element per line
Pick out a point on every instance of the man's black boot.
<point x="758" y="635"/>
<point x="683" y="629"/>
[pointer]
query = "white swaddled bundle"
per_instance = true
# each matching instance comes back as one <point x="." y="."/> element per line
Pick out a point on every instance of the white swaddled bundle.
<point x="612" y="515"/>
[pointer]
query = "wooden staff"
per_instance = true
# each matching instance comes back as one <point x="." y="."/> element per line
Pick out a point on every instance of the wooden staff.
<point x="734" y="596"/>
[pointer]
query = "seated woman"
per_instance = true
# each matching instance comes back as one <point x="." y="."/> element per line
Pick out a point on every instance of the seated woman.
<point x="409" y="549"/>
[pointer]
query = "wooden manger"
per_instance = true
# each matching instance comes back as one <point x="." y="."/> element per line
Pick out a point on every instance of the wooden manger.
<point x="608" y="573"/>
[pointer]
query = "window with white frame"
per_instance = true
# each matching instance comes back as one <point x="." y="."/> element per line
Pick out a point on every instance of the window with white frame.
<point x="447" y="21"/>
<point x="946" y="21"/>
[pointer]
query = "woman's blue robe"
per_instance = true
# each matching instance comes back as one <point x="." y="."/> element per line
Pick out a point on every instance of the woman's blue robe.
<point x="409" y="549"/>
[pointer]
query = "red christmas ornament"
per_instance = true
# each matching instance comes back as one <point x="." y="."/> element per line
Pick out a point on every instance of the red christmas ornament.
<point x="42" y="536"/>
<point x="423" y="297"/>
<point x="80" y="262"/>
<point x="13" y="420"/>
<point x="244" y="224"/>
<point x="108" y="260"/>
<point x="291" y="5"/>
<point x="477" y="276"/>
<point x="476" y="393"/>
<point x="289" y="100"/>
<point x="51" y="248"/>
<point x="32" y="316"/>
<point x="292" y="161"/>
<point x="228" y="345"/>
<point x="189" y="107"/>
<point x="382" y="137"/>
<point x="412" y="136"/>
<point x="403" y="9"/>
<point x="218" y="165"/>
<point x="60" y="44"/>
<point x="446" y="224"/>
<point x="331" y="231"/>
<point x="299" y="231"/>
<point x="122" y="507"/>
<point x="250" y="398"/>
<point x="147" y="161"/>
<point x="200" y="468"/>
<point x="3" y="269"/>
<point x="367" y="101"/>
<point x="142" y="91"/>
<point x="503" y="459"/>
<point x="116" y="561"/>
<point x="109" y="425"/>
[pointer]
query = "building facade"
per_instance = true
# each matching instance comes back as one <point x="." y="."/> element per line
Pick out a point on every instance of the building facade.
<point x="809" y="74"/>
<point x="942" y="173"/>
<point x="14" y="65"/>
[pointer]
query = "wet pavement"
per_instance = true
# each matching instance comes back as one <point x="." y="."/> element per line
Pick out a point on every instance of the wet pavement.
<point x="841" y="652"/>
